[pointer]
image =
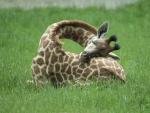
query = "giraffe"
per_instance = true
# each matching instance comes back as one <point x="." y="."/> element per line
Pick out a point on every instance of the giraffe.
<point x="53" y="64"/>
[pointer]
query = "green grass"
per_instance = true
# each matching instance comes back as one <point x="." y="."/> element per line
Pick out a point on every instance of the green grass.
<point x="20" y="32"/>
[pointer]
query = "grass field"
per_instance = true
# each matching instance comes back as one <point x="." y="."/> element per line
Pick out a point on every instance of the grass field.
<point x="20" y="31"/>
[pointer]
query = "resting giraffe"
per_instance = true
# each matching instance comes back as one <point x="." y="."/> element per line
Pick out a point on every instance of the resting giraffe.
<point x="53" y="64"/>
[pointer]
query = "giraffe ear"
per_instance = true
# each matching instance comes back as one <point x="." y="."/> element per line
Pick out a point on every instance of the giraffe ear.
<point x="103" y="29"/>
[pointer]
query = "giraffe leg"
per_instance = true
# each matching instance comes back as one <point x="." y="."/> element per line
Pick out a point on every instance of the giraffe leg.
<point x="37" y="75"/>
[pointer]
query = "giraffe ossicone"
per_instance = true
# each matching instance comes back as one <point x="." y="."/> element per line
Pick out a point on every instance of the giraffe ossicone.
<point x="53" y="64"/>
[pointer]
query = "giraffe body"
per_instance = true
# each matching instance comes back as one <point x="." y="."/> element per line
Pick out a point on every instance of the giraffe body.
<point x="53" y="64"/>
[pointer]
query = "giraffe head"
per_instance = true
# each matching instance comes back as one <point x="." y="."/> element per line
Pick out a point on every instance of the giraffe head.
<point x="99" y="46"/>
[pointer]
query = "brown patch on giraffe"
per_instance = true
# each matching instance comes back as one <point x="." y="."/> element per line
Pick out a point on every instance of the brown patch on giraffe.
<point x="81" y="41"/>
<point x="44" y="36"/>
<point x="64" y="66"/>
<point x="47" y="55"/>
<point x="116" y="65"/>
<point x="65" y="76"/>
<point x="36" y="69"/>
<point x="79" y="70"/>
<point x="70" y="59"/>
<point x="59" y="77"/>
<point x="58" y="50"/>
<point x="41" y="53"/>
<point x="105" y="72"/>
<point x="61" y="32"/>
<point x="86" y="72"/>
<point x="70" y="77"/>
<point x="93" y="66"/>
<point x="50" y="68"/>
<point x="82" y="66"/>
<point x="80" y="32"/>
<point x="66" y="58"/>
<point x="95" y="72"/>
<point x="43" y="70"/>
<point x="51" y="45"/>
<point x="57" y="67"/>
<point x="73" y="33"/>
<point x="84" y="42"/>
<point x="74" y="69"/>
<point x="109" y="63"/>
<point x="60" y="58"/>
<point x="68" y="31"/>
<point x="50" y="75"/>
<point x="101" y="64"/>
<point x="54" y="59"/>
<point x="85" y="38"/>
<point x="77" y="75"/>
<point x="75" y="63"/>
<point x="42" y="39"/>
<point x="45" y="43"/>
<point x="88" y="33"/>
<point x="33" y="61"/>
<point x="40" y="61"/>
<point x="93" y="61"/>
<point x="83" y="78"/>
<point x="68" y="71"/>
<point x="118" y="72"/>
<point x="77" y="57"/>
<point x="74" y="37"/>
<point x="57" y="41"/>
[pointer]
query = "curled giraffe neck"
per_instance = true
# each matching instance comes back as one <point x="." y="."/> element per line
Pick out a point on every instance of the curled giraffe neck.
<point x="75" y="30"/>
